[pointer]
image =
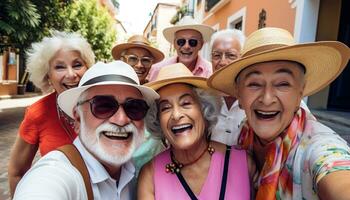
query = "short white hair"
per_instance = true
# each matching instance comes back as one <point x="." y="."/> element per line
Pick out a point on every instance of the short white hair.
<point x="231" y="33"/>
<point x="39" y="56"/>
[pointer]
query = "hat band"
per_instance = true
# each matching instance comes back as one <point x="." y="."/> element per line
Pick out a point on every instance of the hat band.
<point x="109" y="77"/>
<point x="141" y="43"/>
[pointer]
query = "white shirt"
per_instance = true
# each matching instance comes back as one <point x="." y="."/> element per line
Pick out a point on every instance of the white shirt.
<point x="53" y="177"/>
<point x="227" y="128"/>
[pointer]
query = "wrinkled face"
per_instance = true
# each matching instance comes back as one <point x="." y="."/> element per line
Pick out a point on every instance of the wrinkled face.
<point x="141" y="60"/>
<point x="112" y="140"/>
<point x="65" y="70"/>
<point x="224" y="51"/>
<point x="187" y="52"/>
<point x="180" y="116"/>
<point x="270" y="93"/>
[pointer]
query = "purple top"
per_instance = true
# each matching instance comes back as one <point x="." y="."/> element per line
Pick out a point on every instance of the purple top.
<point x="167" y="185"/>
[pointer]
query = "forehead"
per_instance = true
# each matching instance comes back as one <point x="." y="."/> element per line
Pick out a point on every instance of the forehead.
<point x="175" y="90"/>
<point x="226" y="43"/>
<point x="190" y="33"/>
<point x="290" y="68"/>
<point x="121" y="92"/>
<point x="61" y="55"/>
<point x="138" y="51"/>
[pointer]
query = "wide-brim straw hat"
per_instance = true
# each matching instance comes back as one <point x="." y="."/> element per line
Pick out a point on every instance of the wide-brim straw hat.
<point x="113" y="73"/>
<point x="186" y="23"/>
<point x="323" y="61"/>
<point x="137" y="41"/>
<point x="177" y="73"/>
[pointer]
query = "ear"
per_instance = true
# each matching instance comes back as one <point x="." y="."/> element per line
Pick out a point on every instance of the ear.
<point x="76" y="120"/>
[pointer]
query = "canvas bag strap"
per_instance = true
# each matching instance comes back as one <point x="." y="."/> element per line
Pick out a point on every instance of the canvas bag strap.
<point x="77" y="161"/>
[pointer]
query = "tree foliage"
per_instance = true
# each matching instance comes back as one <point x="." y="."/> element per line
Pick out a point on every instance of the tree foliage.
<point x="95" y="24"/>
<point x="27" y="21"/>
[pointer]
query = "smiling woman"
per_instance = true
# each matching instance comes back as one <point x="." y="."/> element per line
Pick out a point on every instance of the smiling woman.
<point x="297" y="157"/>
<point x="193" y="166"/>
<point x="55" y="64"/>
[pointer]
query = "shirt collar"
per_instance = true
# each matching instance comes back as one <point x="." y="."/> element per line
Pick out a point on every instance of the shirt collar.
<point x="96" y="170"/>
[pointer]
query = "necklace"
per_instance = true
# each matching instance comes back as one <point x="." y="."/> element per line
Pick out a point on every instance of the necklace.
<point x="175" y="166"/>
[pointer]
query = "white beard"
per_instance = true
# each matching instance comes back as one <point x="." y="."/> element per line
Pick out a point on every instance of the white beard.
<point x="114" y="158"/>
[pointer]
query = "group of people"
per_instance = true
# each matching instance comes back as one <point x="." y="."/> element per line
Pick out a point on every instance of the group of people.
<point x="146" y="127"/>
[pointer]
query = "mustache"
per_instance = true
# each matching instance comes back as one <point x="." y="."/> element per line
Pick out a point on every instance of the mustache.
<point x="108" y="127"/>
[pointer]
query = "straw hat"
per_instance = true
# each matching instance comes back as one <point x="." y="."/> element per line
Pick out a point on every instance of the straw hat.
<point x="177" y="73"/>
<point x="323" y="61"/>
<point x="140" y="42"/>
<point x="188" y="22"/>
<point x="113" y="73"/>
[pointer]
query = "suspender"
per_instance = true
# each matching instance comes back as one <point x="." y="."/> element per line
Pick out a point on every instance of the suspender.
<point x="77" y="161"/>
<point x="223" y="180"/>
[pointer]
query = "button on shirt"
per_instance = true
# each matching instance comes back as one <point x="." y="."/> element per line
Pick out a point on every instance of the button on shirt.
<point x="227" y="128"/>
<point x="53" y="177"/>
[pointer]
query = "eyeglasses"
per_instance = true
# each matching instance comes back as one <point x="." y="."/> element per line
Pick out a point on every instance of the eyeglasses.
<point x="215" y="55"/>
<point x="103" y="107"/>
<point x="192" y="42"/>
<point x="133" y="60"/>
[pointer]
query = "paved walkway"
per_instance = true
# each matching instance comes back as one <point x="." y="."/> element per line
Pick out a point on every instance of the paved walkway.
<point x="11" y="115"/>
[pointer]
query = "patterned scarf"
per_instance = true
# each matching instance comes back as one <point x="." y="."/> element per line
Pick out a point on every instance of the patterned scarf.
<point x="275" y="181"/>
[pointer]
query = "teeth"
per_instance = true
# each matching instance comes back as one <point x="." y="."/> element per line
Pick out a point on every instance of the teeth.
<point x="116" y="134"/>
<point x="183" y="126"/>
<point x="266" y="113"/>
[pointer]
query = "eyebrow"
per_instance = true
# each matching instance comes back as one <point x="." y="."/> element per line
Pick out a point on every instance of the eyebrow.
<point x="181" y="97"/>
<point x="285" y="70"/>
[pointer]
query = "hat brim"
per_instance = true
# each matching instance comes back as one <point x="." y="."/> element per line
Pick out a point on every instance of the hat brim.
<point x="206" y="31"/>
<point x="68" y="99"/>
<point x="199" y="82"/>
<point x="323" y="61"/>
<point x="118" y="50"/>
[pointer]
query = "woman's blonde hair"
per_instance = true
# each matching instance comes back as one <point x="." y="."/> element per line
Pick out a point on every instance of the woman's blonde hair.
<point x="39" y="56"/>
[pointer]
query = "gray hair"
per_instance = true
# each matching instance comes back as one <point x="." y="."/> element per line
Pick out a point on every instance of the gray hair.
<point x="233" y="33"/>
<point x="210" y="107"/>
<point x="39" y="56"/>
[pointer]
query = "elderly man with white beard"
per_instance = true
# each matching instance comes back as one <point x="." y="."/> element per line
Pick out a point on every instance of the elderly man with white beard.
<point x="108" y="106"/>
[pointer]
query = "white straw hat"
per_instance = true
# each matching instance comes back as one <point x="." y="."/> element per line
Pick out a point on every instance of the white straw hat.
<point x="113" y="73"/>
<point x="186" y="23"/>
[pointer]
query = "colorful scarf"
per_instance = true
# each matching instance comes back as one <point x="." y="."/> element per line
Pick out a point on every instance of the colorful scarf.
<point x="275" y="181"/>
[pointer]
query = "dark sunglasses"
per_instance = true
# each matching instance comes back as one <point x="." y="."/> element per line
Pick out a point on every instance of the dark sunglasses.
<point x="133" y="60"/>
<point x="103" y="107"/>
<point x="192" y="42"/>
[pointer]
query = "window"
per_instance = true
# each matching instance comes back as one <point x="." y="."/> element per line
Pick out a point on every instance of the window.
<point x="210" y="3"/>
<point x="237" y="20"/>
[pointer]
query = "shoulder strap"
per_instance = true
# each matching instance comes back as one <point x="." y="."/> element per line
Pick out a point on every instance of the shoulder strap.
<point x="224" y="175"/>
<point x="77" y="161"/>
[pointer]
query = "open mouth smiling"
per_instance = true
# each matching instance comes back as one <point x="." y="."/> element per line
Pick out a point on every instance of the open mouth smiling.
<point x="186" y="53"/>
<point x="69" y="86"/>
<point x="117" y="135"/>
<point x="266" y="115"/>
<point x="181" y="128"/>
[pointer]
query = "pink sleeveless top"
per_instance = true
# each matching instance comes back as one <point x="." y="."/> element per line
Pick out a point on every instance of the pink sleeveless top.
<point x="167" y="185"/>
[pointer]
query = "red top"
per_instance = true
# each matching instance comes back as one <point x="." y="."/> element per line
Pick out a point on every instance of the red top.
<point x="41" y="125"/>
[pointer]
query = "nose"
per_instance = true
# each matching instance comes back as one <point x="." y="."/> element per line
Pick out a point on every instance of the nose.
<point x="138" y="64"/>
<point x="120" y="118"/>
<point x="70" y="73"/>
<point x="223" y="61"/>
<point x="176" y="114"/>
<point x="268" y="96"/>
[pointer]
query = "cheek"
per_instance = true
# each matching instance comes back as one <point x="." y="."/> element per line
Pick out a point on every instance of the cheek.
<point x="139" y="125"/>
<point x="81" y="72"/>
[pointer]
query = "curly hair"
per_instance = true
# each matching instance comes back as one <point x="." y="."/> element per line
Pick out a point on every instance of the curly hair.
<point x="210" y="107"/>
<point x="40" y="54"/>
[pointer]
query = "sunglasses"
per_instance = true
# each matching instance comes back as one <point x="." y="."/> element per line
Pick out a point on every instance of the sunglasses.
<point x="103" y="107"/>
<point x="192" y="42"/>
<point x="133" y="60"/>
